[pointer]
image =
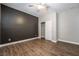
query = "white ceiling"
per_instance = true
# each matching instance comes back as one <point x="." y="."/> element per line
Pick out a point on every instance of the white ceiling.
<point x="32" y="9"/>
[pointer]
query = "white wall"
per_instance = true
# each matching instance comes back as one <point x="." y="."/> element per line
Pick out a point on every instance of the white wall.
<point x="68" y="26"/>
<point x="50" y="30"/>
<point x="63" y="26"/>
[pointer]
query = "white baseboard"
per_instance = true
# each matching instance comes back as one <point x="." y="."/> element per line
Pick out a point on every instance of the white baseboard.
<point x="52" y="41"/>
<point x="2" y="45"/>
<point x="68" y="41"/>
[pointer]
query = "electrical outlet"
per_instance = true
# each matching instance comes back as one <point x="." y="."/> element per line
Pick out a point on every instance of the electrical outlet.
<point x="9" y="39"/>
<point x="35" y="35"/>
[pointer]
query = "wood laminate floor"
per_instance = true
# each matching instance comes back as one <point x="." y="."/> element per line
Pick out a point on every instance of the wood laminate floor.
<point x="40" y="47"/>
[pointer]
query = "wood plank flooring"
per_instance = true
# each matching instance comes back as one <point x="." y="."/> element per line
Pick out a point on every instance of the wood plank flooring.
<point x="40" y="47"/>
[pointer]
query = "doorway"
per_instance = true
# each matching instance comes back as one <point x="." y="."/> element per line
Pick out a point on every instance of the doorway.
<point x="43" y="30"/>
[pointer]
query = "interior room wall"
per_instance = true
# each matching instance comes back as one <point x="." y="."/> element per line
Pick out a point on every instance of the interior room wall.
<point x="0" y="23"/>
<point x="17" y="25"/>
<point x="62" y="26"/>
<point x="50" y="20"/>
<point x="68" y="26"/>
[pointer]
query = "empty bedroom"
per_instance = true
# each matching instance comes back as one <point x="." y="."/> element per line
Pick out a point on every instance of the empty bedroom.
<point x="39" y="29"/>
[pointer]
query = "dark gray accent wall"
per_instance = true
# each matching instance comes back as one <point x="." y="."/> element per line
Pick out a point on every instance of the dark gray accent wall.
<point x="0" y="23"/>
<point x="17" y="25"/>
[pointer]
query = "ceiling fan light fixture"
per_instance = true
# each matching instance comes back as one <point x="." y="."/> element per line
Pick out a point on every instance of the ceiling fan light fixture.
<point x="40" y="6"/>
